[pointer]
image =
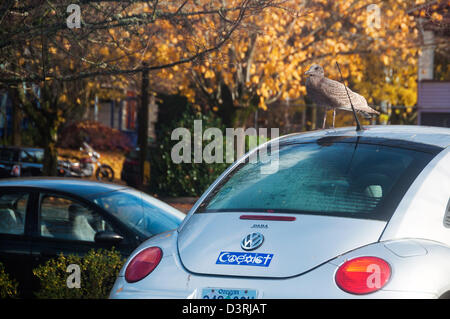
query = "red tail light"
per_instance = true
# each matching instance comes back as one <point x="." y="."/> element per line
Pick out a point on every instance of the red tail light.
<point x="363" y="275"/>
<point x="143" y="264"/>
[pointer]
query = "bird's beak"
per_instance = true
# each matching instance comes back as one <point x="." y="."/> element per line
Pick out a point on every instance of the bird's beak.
<point x="308" y="72"/>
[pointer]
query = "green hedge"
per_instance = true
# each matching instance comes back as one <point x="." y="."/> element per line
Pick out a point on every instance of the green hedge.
<point x="8" y="285"/>
<point x="98" y="269"/>
<point x="184" y="179"/>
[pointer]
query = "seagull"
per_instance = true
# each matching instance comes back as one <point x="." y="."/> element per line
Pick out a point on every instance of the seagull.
<point x="328" y="93"/>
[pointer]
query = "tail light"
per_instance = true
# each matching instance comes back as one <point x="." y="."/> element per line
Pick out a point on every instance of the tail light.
<point x="143" y="264"/>
<point x="15" y="171"/>
<point x="363" y="275"/>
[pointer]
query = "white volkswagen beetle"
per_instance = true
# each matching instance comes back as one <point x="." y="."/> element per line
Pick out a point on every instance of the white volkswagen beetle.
<point x="345" y="214"/>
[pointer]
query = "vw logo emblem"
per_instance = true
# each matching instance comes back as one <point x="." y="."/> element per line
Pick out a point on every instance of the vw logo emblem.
<point x="252" y="241"/>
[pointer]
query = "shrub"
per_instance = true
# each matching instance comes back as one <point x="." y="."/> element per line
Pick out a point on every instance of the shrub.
<point x="99" y="136"/>
<point x="8" y="286"/>
<point x="184" y="179"/>
<point x="98" y="269"/>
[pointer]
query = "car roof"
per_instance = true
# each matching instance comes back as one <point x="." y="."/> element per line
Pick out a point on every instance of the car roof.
<point x="82" y="188"/>
<point x="428" y="135"/>
<point x="12" y="147"/>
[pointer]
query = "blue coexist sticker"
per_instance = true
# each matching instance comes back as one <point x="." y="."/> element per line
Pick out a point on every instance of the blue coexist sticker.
<point x="244" y="259"/>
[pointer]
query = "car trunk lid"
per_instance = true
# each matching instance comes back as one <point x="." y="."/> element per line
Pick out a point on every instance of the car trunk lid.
<point x="210" y="243"/>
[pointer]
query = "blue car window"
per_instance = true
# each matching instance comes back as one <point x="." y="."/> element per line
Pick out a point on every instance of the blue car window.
<point x="137" y="211"/>
<point x="65" y="218"/>
<point x="32" y="156"/>
<point x="12" y="212"/>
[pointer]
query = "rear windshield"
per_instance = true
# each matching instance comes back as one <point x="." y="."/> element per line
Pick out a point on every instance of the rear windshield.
<point x="355" y="180"/>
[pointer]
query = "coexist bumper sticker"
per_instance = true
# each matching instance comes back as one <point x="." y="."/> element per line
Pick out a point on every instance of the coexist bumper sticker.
<point x="244" y="259"/>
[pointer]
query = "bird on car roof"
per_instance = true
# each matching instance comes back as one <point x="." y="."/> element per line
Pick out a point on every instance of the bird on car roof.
<point x="331" y="94"/>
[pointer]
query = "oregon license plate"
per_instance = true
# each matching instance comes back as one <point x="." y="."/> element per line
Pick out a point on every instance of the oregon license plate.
<point x="228" y="293"/>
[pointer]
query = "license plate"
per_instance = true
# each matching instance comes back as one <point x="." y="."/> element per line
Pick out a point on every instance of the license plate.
<point x="228" y="293"/>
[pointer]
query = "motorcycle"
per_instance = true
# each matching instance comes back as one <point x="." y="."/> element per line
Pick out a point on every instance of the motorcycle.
<point x="86" y="166"/>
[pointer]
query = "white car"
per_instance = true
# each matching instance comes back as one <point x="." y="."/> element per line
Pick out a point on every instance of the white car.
<point x="346" y="214"/>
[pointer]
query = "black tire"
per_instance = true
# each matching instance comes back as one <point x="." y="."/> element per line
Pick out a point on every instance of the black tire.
<point x="104" y="173"/>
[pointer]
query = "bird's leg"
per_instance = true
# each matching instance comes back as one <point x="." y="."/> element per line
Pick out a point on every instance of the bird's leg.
<point x="334" y="115"/>
<point x="324" y="118"/>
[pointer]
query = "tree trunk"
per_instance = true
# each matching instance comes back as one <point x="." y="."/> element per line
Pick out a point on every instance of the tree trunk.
<point x="143" y="126"/>
<point x="16" y="120"/>
<point x="16" y="137"/>
<point x="50" y="159"/>
<point x="49" y="139"/>
<point x="45" y="119"/>
<point x="241" y="116"/>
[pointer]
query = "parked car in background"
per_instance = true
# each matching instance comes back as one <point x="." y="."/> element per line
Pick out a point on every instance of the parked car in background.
<point x="20" y="161"/>
<point x="41" y="218"/>
<point x="130" y="168"/>
<point x="335" y="213"/>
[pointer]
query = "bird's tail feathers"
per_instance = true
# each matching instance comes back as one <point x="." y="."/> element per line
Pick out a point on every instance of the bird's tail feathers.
<point x="366" y="113"/>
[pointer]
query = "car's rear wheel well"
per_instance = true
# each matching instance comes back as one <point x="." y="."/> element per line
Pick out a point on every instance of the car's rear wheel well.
<point x="445" y="295"/>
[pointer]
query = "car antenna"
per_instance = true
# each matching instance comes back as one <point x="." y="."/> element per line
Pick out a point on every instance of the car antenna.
<point x="358" y="125"/>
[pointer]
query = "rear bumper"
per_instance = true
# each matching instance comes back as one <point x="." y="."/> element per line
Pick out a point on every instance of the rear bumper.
<point x="131" y="293"/>
<point x="171" y="281"/>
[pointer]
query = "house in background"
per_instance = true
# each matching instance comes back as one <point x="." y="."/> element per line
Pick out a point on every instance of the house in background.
<point x="433" y="103"/>
<point x="7" y="118"/>
<point x="122" y="115"/>
<point x="433" y="100"/>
